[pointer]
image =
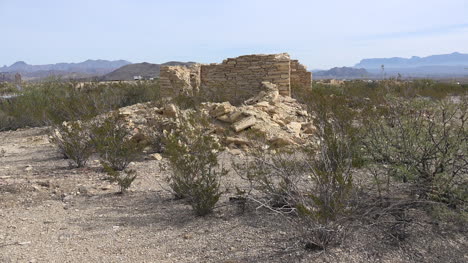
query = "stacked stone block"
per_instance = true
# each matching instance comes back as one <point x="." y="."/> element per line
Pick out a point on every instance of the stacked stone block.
<point x="300" y="77"/>
<point x="235" y="79"/>
<point x="175" y="80"/>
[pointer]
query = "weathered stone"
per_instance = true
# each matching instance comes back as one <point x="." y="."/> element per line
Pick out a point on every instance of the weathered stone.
<point x="244" y="123"/>
<point x="156" y="156"/>
<point x="302" y="113"/>
<point x="281" y="141"/>
<point x="309" y="128"/>
<point x="221" y="109"/>
<point x="294" y="127"/>
<point x="235" y="151"/>
<point x="237" y="141"/>
<point x="236" y="78"/>
<point x="170" y="111"/>
<point x="262" y="104"/>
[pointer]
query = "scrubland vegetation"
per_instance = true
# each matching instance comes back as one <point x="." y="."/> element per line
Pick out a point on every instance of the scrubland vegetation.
<point x="382" y="149"/>
<point x="53" y="102"/>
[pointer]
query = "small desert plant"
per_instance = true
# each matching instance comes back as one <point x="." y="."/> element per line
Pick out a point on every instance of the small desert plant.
<point x="424" y="143"/>
<point x="193" y="157"/>
<point x="123" y="178"/>
<point x="113" y="142"/>
<point x="73" y="141"/>
<point x="155" y="132"/>
<point x="313" y="183"/>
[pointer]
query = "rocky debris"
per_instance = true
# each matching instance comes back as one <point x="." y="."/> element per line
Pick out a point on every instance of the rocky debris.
<point x="244" y="123"/>
<point x="279" y="120"/>
<point x="269" y="94"/>
<point x="237" y="141"/>
<point x="294" y="127"/>
<point x="221" y="109"/>
<point x="170" y="111"/>
<point x="156" y="156"/>
<point x="281" y="141"/>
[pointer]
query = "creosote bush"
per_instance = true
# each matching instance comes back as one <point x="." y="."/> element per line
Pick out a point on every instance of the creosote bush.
<point x="112" y="140"/>
<point x="313" y="183"/>
<point x="193" y="157"/>
<point x="123" y="178"/>
<point x="54" y="101"/>
<point x="424" y="143"/>
<point x="73" y="141"/>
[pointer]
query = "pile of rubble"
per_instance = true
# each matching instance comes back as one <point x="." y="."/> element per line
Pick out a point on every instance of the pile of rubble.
<point x="280" y="120"/>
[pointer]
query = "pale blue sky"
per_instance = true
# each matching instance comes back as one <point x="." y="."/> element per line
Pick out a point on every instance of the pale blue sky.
<point x="321" y="34"/>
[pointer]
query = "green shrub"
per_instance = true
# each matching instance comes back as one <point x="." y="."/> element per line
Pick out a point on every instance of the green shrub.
<point x="55" y="101"/>
<point x="314" y="182"/>
<point x="424" y="143"/>
<point x="113" y="142"/>
<point x="123" y="178"/>
<point x="193" y="157"/>
<point x="73" y="141"/>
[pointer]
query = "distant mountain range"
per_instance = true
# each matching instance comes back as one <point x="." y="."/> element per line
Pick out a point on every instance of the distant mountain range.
<point x="88" y="66"/>
<point x="100" y="69"/>
<point x="437" y="66"/>
<point x="146" y="70"/>
<point x="448" y="65"/>
<point x="343" y="72"/>
<point x="83" y="69"/>
<point x="454" y="65"/>
<point x="454" y="59"/>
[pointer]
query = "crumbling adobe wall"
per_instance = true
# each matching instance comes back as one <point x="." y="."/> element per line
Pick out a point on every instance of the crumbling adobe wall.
<point x="175" y="80"/>
<point x="242" y="77"/>
<point x="235" y="79"/>
<point x="300" y="77"/>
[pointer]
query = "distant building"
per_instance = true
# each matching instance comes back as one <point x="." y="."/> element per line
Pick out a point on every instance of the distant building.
<point x="137" y="78"/>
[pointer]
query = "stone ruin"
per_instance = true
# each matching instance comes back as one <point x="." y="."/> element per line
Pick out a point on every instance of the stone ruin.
<point x="261" y="83"/>
<point x="280" y="120"/>
<point x="235" y="79"/>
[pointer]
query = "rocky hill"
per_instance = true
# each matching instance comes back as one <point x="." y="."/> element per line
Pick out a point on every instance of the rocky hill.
<point x="88" y="67"/>
<point x="453" y="59"/>
<point x="146" y="70"/>
<point x="343" y="72"/>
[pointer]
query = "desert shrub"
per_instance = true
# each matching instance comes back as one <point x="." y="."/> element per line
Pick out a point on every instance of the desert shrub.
<point x="7" y="88"/>
<point x="112" y="140"/>
<point x="123" y="178"/>
<point x="73" y="141"/>
<point x="424" y="143"/>
<point x="193" y="157"/>
<point x="55" y="101"/>
<point x="314" y="183"/>
<point x="156" y="131"/>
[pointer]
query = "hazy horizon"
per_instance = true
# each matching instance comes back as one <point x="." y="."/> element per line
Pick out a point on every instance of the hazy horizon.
<point x="322" y="35"/>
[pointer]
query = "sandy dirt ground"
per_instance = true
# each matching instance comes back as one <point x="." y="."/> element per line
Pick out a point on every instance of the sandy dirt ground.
<point x="52" y="213"/>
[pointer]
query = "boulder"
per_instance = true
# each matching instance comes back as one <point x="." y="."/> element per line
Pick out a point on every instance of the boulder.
<point x="270" y="93"/>
<point x="221" y="109"/>
<point x="237" y="141"/>
<point x="170" y="111"/>
<point x="309" y="128"/>
<point x="244" y="123"/>
<point x="294" y="127"/>
<point x="281" y="141"/>
<point x="156" y="156"/>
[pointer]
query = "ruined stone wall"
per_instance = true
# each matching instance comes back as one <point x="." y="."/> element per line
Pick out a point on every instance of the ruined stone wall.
<point x="242" y="77"/>
<point x="300" y="77"/>
<point x="235" y="79"/>
<point x="175" y="80"/>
